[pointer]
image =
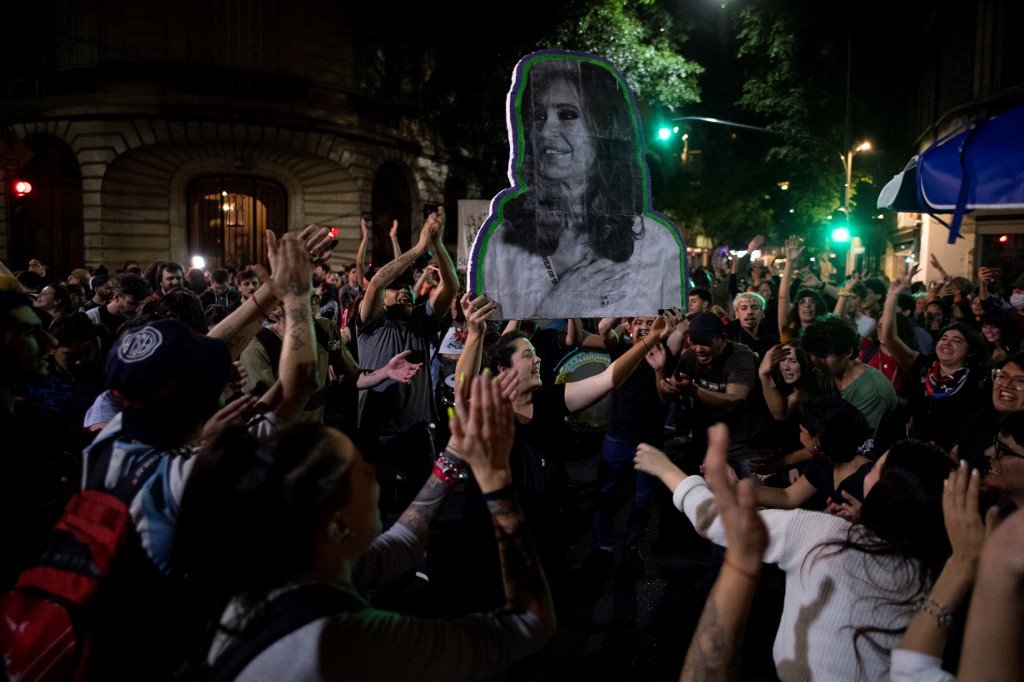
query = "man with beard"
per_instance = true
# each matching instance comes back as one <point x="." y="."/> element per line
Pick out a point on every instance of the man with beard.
<point x="719" y="376"/>
<point x="395" y="417"/>
<point x="747" y="328"/>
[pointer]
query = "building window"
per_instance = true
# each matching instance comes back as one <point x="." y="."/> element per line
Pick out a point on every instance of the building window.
<point x="229" y="217"/>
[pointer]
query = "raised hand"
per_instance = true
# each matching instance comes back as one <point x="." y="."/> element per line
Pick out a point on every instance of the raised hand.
<point x="476" y="309"/>
<point x="656" y="357"/>
<point x="363" y="228"/>
<point x="393" y="232"/>
<point x="318" y="242"/>
<point x="775" y="355"/>
<point x="964" y="527"/>
<point x="793" y="249"/>
<point x="485" y="434"/>
<point x="755" y="243"/>
<point x="737" y="507"/>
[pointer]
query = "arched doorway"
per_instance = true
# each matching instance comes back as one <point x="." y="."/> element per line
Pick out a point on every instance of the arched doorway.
<point x="48" y="223"/>
<point x="392" y="200"/>
<point x="229" y="217"/>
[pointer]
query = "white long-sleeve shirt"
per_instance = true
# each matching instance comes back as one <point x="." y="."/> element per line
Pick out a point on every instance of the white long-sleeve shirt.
<point x="829" y="594"/>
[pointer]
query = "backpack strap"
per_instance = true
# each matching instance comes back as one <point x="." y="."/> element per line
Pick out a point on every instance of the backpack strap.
<point x="281" y="616"/>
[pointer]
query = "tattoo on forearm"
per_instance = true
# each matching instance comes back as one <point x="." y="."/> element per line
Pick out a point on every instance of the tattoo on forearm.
<point x="295" y="285"/>
<point x="520" y="565"/>
<point x="421" y="512"/>
<point x="712" y="652"/>
<point x="299" y="315"/>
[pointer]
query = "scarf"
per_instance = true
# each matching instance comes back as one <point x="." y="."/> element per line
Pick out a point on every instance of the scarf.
<point x="938" y="386"/>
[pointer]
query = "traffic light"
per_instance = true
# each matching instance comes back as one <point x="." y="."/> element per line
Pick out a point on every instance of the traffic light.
<point x="21" y="188"/>
<point x="664" y="133"/>
<point x="841" y="235"/>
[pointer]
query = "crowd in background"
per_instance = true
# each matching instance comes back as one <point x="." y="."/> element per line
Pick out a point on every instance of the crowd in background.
<point x="314" y="421"/>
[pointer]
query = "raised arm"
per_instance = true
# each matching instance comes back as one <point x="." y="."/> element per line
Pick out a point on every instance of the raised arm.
<point x="900" y="352"/>
<point x="486" y="439"/>
<point x="361" y="251"/>
<point x="393" y="234"/>
<point x="398" y="369"/>
<point x="714" y="652"/>
<point x="995" y="626"/>
<point x="475" y="309"/>
<point x="793" y="251"/>
<point x="238" y="328"/>
<point x="581" y="394"/>
<point x="778" y="405"/>
<point x="373" y="301"/>
<point x="444" y="294"/>
<point x="929" y="628"/>
<point x="297" y="371"/>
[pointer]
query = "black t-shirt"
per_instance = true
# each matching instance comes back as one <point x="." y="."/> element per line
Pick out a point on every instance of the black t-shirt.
<point x="821" y="474"/>
<point x="537" y="459"/>
<point x="736" y="365"/>
<point x="635" y="412"/>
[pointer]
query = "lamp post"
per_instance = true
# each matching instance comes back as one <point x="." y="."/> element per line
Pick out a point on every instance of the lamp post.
<point x="848" y="167"/>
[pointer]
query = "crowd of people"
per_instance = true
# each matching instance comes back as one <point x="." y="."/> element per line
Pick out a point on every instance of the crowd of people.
<point x="305" y="427"/>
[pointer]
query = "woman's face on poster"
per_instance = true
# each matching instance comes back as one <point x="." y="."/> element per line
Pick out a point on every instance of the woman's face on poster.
<point x="562" y="143"/>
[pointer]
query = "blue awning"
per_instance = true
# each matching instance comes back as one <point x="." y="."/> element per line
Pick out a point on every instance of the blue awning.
<point x="979" y="166"/>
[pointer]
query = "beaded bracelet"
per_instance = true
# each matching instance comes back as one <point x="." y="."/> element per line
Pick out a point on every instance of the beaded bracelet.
<point x="943" y="616"/>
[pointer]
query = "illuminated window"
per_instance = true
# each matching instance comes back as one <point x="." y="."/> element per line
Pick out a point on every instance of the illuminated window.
<point x="229" y="217"/>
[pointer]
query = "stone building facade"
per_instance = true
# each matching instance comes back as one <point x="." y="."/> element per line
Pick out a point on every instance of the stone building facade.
<point x="163" y="131"/>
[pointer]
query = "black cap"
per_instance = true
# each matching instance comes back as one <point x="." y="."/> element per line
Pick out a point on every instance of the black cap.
<point x="705" y="328"/>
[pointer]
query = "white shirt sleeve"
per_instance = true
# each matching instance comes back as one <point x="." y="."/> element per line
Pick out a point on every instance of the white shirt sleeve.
<point x="914" y="666"/>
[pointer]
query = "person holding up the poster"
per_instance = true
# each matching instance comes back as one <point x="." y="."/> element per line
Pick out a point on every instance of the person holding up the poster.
<point x="575" y="236"/>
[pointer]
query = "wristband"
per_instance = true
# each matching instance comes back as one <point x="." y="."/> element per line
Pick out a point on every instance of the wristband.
<point x="448" y="470"/>
<point x="502" y="501"/>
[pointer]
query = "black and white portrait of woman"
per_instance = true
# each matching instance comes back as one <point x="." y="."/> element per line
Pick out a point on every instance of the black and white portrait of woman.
<point x="575" y="234"/>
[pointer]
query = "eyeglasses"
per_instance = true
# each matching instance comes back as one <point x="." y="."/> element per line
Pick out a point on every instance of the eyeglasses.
<point x="1015" y="380"/>
<point x="1001" y="449"/>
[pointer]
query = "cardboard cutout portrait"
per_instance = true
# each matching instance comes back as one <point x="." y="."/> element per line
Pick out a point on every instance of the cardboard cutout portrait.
<point x="575" y="234"/>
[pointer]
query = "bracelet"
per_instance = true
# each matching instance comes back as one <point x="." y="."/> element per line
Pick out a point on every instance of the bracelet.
<point x="643" y="340"/>
<point x="502" y="501"/>
<point x="450" y="471"/>
<point x="943" y="616"/>
<point x="845" y="294"/>
<point x="453" y="455"/>
<point x="258" y="306"/>
<point x="726" y="562"/>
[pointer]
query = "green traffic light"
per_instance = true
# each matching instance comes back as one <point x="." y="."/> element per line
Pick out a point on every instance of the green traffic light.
<point x="841" y="234"/>
<point x="664" y="133"/>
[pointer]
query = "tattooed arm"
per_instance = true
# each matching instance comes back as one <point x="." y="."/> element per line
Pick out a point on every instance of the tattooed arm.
<point x="486" y="437"/>
<point x="373" y="302"/>
<point x="297" y="371"/>
<point x="714" y="649"/>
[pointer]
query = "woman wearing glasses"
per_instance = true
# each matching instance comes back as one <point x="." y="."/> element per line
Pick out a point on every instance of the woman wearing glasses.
<point x="1007" y="398"/>
<point x="946" y="386"/>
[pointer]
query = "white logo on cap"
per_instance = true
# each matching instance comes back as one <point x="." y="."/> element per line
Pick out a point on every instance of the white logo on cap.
<point x="138" y="346"/>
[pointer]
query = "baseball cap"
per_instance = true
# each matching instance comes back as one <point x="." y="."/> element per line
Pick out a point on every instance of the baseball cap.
<point x="164" y="369"/>
<point x="705" y="327"/>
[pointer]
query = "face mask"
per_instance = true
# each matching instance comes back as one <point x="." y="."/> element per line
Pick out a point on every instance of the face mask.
<point x="1017" y="300"/>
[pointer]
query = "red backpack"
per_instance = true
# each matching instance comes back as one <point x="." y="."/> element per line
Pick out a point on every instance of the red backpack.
<point x="47" y="617"/>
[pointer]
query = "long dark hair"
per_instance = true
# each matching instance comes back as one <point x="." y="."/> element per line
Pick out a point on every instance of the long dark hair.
<point x="901" y="522"/>
<point x="614" y="194"/>
<point x="806" y="382"/>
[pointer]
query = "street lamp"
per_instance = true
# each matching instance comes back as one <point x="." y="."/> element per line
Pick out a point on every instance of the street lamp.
<point x="848" y="167"/>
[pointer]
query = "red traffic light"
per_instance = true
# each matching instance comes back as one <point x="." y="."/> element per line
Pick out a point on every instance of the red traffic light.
<point x="21" y="188"/>
<point x="1003" y="239"/>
